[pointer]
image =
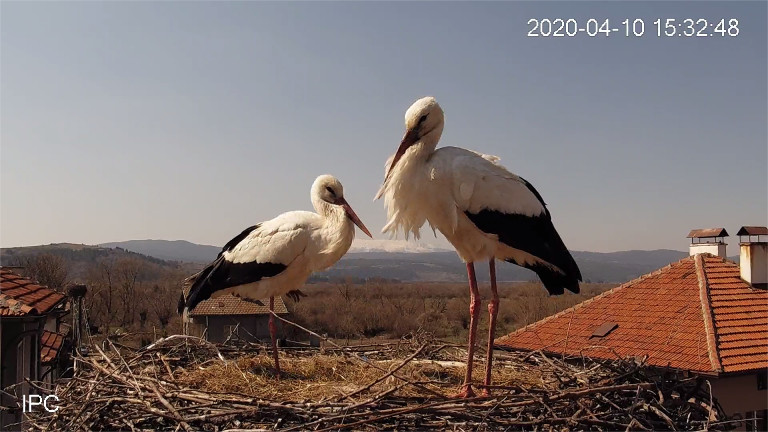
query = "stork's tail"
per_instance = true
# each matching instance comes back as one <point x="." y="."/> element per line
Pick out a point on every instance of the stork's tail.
<point x="195" y="289"/>
<point x="556" y="282"/>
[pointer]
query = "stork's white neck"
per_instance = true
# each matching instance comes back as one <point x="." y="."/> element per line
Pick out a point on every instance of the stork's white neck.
<point x="332" y="214"/>
<point x="429" y="140"/>
<point x="421" y="150"/>
<point x="322" y="207"/>
<point x="337" y="232"/>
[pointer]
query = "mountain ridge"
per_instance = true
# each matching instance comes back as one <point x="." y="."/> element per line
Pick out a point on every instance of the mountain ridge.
<point x="394" y="261"/>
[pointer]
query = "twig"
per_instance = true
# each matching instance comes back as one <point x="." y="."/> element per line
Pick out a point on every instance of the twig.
<point x="385" y="376"/>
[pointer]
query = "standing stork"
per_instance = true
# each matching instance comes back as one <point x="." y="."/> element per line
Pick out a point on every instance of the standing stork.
<point x="277" y="256"/>
<point x="485" y="211"/>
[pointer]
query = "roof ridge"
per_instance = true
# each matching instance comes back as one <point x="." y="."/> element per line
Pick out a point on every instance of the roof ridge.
<point x="722" y="259"/>
<point x="707" y="313"/>
<point x="601" y="295"/>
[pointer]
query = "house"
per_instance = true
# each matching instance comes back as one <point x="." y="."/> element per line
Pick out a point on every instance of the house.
<point x="702" y="315"/>
<point x="31" y="345"/>
<point x="217" y="319"/>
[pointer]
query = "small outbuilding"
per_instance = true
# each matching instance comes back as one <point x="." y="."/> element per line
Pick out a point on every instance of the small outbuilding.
<point x="221" y="318"/>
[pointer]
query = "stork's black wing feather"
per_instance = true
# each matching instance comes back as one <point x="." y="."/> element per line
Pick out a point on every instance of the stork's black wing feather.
<point x="537" y="236"/>
<point x="222" y="274"/>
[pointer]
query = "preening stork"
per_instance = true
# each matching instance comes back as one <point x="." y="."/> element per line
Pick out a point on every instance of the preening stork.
<point x="277" y="256"/>
<point x="485" y="211"/>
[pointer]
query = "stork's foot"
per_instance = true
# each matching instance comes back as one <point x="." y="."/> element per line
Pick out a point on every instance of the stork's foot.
<point x="295" y="295"/>
<point x="485" y="392"/>
<point x="465" y="392"/>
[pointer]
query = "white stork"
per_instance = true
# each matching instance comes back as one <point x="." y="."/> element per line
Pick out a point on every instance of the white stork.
<point x="485" y="211"/>
<point x="277" y="256"/>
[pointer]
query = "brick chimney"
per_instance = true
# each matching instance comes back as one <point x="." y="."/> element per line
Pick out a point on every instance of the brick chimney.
<point x="753" y="257"/>
<point x="708" y="240"/>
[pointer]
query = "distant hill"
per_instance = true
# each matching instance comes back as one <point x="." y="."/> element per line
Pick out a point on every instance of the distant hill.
<point x="393" y="259"/>
<point x="447" y="267"/>
<point x="404" y="246"/>
<point x="80" y="258"/>
<point x="171" y="250"/>
<point x="182" y="250"/>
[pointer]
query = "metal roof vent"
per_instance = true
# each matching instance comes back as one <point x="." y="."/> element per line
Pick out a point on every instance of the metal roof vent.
<point x="753" y="257"/>
<point x="604" y="329"/>
<point x="708" y="240"/>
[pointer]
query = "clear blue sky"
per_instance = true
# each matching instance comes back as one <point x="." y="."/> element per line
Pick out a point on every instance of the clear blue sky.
<point x="174" y="120"/>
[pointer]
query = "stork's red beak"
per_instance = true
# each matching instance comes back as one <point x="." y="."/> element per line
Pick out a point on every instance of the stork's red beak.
<point x="353" y="216"/>
<point x="410" y="138"/>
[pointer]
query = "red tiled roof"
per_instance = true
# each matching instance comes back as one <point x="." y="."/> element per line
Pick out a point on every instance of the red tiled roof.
<point x="230" y="305"/>
<point x="695" y="314"/>
<point x="50" y="344"/>
<point x="20" y="296"/>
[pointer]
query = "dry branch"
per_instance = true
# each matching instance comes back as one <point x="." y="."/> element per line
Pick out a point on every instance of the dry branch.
<point x="184" y="383"/>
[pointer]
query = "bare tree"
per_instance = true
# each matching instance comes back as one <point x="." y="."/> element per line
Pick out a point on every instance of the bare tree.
<point x="47" y="269"/>
<point x="102" y="296"/>
<point x="129" y="272"/>
<point x="163" y="302"/>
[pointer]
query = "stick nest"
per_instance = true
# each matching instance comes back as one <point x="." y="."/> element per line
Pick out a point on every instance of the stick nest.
<point x="185" y="383"/>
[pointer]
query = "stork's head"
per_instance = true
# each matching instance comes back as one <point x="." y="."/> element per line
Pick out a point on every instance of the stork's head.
<point x="423" y="117"/>
<point x="423" y="123"/>
<point x="327" y="189"/>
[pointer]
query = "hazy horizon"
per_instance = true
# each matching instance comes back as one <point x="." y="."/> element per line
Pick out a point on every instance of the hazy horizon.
<point x="193" y="120"/>
<point x="359" y="243"/>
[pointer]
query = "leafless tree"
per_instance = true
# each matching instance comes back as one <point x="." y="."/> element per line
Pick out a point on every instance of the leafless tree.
<point x="102" y="295"/>
<point x="47" y="269"/>
<point x="163" y="301"/>
<point x="129" y="271"/>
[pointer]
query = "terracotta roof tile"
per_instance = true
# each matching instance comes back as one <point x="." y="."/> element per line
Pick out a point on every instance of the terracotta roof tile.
<point x="50" y="345"/>
<point x="695" y="314"/>
<point x="230" y="305"/>
<point x="21" y="296"/>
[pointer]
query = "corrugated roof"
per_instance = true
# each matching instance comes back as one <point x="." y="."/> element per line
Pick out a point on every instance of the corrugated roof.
<point x="708" y="232"/>
<point x="50" y="345"/>
<point x="695" y="314"/>
<point x="20" y="296"/>
<point x="752" y="230"/>
<point x="230" y="305"/>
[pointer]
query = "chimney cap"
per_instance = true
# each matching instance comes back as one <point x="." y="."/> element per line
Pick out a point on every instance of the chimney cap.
<point x="752" y="230"/>
<point x="708" y="232"/>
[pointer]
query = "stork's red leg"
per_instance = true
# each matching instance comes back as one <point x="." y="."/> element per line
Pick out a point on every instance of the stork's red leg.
<point x="493" y="309"/>
<point x="474" y="313"/>
<point x="273" y="335"/>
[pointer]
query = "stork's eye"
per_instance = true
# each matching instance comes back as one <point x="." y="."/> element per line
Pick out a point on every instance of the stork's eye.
<point x="330" y="191"/>
<point x="422" y="119"/>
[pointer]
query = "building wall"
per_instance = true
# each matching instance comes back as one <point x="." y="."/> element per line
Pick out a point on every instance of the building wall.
<point x="753" y="257"/>
<point x="739" y="394"/>
<point x="195" y="327"/>
<point x="20" y="339"/>
<point x="52" y="323"/>
<point x="717" y="249"/>
<point x="251" y="328"/>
